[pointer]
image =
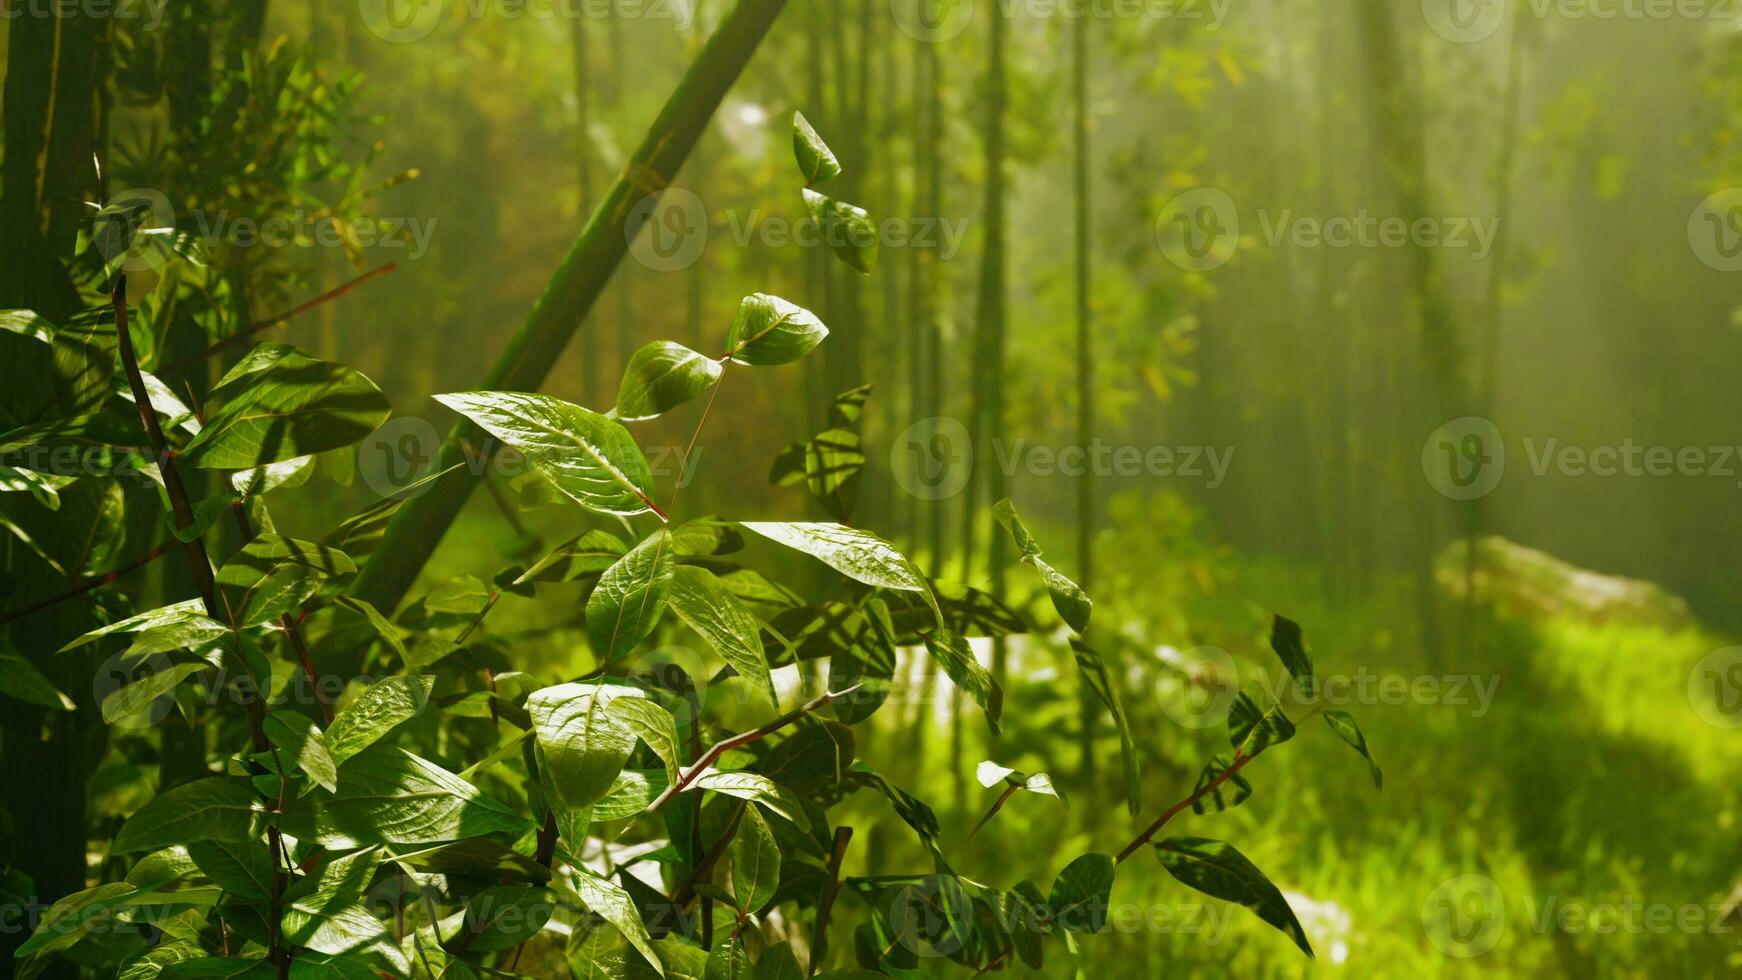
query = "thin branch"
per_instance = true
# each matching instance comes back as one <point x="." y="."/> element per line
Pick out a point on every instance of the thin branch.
<point x="240" y="509"/>
<point x="94" y="582"/>
<point x="820" y="936"/>
<point x="271" y="322"/>
<point x="690" y="775"/>
<point x="1240" y="760"/>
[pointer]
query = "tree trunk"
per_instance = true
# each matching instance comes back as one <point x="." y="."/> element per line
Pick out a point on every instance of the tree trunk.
<point x="416" y="529"/>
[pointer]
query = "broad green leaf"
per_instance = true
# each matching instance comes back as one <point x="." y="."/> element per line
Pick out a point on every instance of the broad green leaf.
<point x="84" y="363"/>
<point x="43" y="486"/>
<point x="610" y="902"/>
<point x="1256" y="721"/>
<point x="72" y="918"/>
<point x="758" y="789"/>
<point x="375" y="712"/>
<point x="137" y="696"/>
<point x="1095" y="674"/>
<point x="857" y="554"/>
<point x="755" y="862"/>
<point x="501" y="917"/>
<point x="215" y="809"/>
<point x="324" y="911"/>
<point x="729" y="960"/>
<point x="660" y="377"/>
<point x="21" y="680"/>
<point x="243" y="868"/>
<point x="707" y="607"/>
<point x="386" y="629"/>
<point x="274" y="575"/>
<point x="286" y="475"/>
<point x="1232" y="792"/>
<point x="463" y="596"/>
<point x="585" y="744"/>
<point x="194" y="633"/>
<point x="812" y="760"/>
<point x="592" y="459"/>
<point x="1290" y="647"/>
<point x="1081" y="894"/>
<point x="389" y="796"/>
<point x="833" y="463"/>
<point x="223" y="968"/>
<point x="869" y="664"/>
<point x="589" y="554"/>
<point x="815" y="160"/>
<point x="162" y="616"/>
<point x="768" y="330"/>
<point x="1220" y="871"/>
<point x="846" y="228"/>
<point x="705" y="538"/>
<point x="297" y="406"/>
<point x="653" y="725"/>
<point x="953" y="654"/>
<point x="1344" y="725"/>
<point x="97" y="441"/>
<point x="631" y="596"/>
<point x="300" y="742"/>
<point x="1073" y="605"/>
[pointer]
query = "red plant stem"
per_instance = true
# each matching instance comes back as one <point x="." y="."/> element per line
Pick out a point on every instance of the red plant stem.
<point x="720" y="748"/>
<point x="271" y="322"/>
<point x="198" y="563"/>
<point x="1240" y="760"/>
<point x="94" y="582"/>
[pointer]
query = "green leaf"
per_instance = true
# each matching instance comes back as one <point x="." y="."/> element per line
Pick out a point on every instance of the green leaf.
<point x="587" y="555"/>
<point x="953" y="654"/>
<point x="610" y="902"/>
<point x="502" y="917"/>
<point x="194" y="633"/>
<point x="592" y="459"/>
<point x="1073" y="605"/>
<point x="756" y="788"/>
<point x="162" y="616"/>
<point x="729" y="960"/>
<point x="300" y="739"/>
<point x="286" y="475"/>
<point x="1081" y="893"/>
<point x="1095" y="674"/>
<point x="389" y="796"/>
<point x="1286" y="640"/>
<point x="274" y="575"/>
<point x="223" y="968"/>
<point x="72" y="918"/>
<point x="857" y="554"/>
<point x="815" y="160"/>
<point x="1220" y="871"/>
<point x="243" y="868"/>
<point x="463" y="596"/>
<point x="324" y="911"/>
<point x="707" y="607"/>
<point x="833" y="464"/>
<point x="1222" y="797"/>
<point x="869" y="664"/>
<point x="653" y="725"/>
<point x="385" y="628"/>
<point x="375" y="712"/>
<point x="585" y="744"/>
<point x="137" y="696"/>
<point x="297" y="406"/>
<point x="847" y="228"/>
<point x="630" y="598"/>
<point x="84" y="363"/>
<point x="660" y="377"/>
<point x="768" y="330"/>
<point x="215" y="809"/>
<point x="22" y="681"/>
<point x="1256" y="721"/>
<point x="705" y="537"/>
<point x="1344" y="725"/>
<point x="755" y="863"/>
